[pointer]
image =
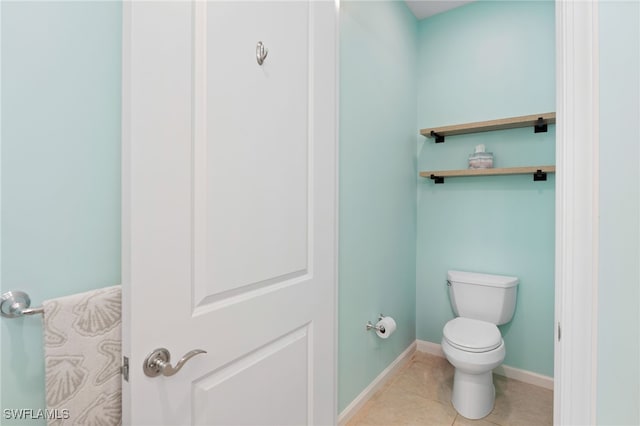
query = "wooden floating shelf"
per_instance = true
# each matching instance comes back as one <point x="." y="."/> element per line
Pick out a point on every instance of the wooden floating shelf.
<point x="538" y="172"/>
<point x="538" y="121"/>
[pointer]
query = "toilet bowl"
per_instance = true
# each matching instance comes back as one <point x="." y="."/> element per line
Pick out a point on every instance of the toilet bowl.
<point x="474" y="348"/>
<point x="472" y="342"/>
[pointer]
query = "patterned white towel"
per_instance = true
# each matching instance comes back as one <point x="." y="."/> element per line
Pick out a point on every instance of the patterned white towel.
<point x="82" y="339"/>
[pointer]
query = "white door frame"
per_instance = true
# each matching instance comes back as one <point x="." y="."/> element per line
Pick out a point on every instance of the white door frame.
<point x="577" y="152"/>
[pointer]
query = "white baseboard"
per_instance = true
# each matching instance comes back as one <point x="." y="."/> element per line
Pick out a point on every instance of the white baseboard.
<point x="376" y="384"/>
<point x="503" y="370"/>
<point x="525" y="376"/>
<point x="430" y="348"/>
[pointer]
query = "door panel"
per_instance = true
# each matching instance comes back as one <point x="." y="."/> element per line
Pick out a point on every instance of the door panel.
<point x="254" y="186"/>
<point x="229" y="200"/>
<point x="257" y="379"/>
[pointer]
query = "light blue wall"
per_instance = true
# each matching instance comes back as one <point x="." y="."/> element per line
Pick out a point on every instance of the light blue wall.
<point x="60" y="178"/>
<point x="484" y="61"/>
<point x="618" y="379"/>
<point x="60" y="169"/>
<point x="377" y="187"/>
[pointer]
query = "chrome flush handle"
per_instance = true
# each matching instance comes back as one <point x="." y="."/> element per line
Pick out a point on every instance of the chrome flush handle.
<point x="158" y="362"/>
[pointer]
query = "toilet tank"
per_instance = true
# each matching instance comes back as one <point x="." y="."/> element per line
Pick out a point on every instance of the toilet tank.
<point x="485" y="297"/>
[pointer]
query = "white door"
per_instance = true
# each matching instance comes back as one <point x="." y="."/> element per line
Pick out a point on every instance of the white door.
<point x="229" y="201"/>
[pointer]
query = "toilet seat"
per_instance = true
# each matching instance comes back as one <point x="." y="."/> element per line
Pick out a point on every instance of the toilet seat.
<point x="472" y="335"/>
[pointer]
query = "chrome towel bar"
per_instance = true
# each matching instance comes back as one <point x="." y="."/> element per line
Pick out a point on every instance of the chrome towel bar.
<point x="15" y="304"/>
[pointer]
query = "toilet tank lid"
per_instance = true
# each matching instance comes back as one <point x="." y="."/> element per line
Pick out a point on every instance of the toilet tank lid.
<point x="482" y="279"/>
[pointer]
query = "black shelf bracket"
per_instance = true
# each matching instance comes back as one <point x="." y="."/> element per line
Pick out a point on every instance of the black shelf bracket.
<point x="437" y="179"/>
<point x="539" y="175"/>
<point x="439" y="137"/>
<point x="540" y="126"/>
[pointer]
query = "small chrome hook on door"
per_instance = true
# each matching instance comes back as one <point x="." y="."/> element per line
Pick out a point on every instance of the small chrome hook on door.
<point x="158" y="362"/>
<point x="261" y="53"/>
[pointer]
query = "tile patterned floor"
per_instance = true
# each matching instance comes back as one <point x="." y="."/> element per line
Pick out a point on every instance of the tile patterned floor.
<point x="420" y="394"/>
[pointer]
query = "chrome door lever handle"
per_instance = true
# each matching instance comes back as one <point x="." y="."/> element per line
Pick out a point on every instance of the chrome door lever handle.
<point x="158" y="362"/>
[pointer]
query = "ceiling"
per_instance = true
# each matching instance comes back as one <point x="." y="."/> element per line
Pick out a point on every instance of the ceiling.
<point x="425" y="8"/>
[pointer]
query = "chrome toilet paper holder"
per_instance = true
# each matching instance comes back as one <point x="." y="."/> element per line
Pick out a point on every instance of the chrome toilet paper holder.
<point x="371" y="326"/>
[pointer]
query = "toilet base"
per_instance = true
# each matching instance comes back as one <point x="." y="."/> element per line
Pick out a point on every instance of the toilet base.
<point x="473" y="394"/>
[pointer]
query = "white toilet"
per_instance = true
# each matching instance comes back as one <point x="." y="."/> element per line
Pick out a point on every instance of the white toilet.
<point x="471" y="342"/>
